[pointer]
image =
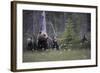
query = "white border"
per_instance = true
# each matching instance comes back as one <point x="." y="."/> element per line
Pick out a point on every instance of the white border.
<point x="21" y="65"/>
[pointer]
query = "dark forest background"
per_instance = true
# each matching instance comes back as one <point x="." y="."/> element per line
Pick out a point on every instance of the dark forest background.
<point x="73" y="30"/>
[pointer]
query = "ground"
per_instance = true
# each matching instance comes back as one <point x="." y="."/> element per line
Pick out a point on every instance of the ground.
<point x="56" y="55"/>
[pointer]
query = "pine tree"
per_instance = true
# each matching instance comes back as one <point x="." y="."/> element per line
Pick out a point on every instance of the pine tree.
<point x="68" y="34"/>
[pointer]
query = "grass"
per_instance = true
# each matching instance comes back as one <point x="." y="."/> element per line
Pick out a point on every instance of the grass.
<point x="56" y="55"/>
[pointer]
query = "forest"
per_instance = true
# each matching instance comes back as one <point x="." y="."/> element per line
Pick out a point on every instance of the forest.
<point x="69" y="28"/>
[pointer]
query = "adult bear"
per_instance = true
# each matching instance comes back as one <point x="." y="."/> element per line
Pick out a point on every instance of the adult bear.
<point x="42" y="41"/>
